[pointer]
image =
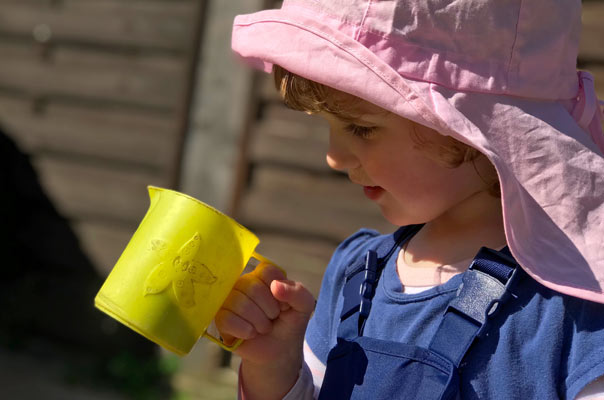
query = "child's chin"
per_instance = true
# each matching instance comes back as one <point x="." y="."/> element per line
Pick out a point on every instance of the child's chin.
<point x="400" y="217"/>
<point x="397" y="218"/>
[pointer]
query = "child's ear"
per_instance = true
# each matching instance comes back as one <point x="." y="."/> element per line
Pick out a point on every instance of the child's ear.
<point x="487" y="173"/>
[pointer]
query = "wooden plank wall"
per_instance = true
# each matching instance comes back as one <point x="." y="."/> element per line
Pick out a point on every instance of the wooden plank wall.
<point x="591" y="51"/>
<point x="97" y="92"/>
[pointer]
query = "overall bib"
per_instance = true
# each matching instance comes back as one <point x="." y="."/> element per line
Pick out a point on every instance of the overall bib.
<point x="361" y="367"/>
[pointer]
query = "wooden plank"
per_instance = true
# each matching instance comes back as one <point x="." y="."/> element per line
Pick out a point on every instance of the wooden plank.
<point x="97" y="192"/>
<point x="160" y="24"/>
<point x="285" y="141"/>
<point x="598" y="73"/>
<point x="307" y="204"/>
<point x="266" y="88"/>
<point x="14" y="112"/>
<point x="281" y="112"/>
<point x="113" y="134"/>
<point x="145" y="79"/>
<point x="592" y="36"/>
<point x="103" y="243"/>
<point x="304" y="259"/>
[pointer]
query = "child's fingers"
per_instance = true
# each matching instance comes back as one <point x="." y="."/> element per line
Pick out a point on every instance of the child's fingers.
<point x="295" y="295"/>
<point x="244" y="307"/>
<point x="268" y="273"/>
<point x="259" y="293"/>
<point x="231" y="325"/>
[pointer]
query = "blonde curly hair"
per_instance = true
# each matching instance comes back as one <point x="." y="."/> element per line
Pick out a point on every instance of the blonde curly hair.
<point x="302" y="94"/>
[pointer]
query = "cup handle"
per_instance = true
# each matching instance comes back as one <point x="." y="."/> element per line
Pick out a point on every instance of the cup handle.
<point x="264" y="260"/>
<point x="233" y="347"/>
<point x="220" y="343"/>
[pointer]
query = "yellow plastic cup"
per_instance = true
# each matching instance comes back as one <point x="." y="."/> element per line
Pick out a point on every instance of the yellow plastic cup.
<point x="177" y="270"/>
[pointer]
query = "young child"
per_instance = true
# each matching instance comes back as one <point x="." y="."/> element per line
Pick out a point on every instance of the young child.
<point x="467" y="123"/>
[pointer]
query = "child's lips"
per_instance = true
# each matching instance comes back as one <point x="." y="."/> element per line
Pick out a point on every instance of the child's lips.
<point x="373" y="192"/>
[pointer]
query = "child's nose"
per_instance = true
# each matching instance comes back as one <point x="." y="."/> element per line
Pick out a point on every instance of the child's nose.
<point x="339" y="156"/>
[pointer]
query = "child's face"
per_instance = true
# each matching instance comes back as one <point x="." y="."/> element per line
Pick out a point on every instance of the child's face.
<point x="378" y="152"/>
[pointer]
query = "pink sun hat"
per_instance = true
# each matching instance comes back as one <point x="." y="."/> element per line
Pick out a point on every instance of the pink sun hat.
<point x="499" y="75"/>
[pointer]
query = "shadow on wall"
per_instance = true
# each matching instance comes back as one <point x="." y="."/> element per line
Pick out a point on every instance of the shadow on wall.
<point x="47" y="289"/>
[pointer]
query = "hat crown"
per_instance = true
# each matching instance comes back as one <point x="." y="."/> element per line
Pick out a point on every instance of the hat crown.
<point x="514" y="47"/>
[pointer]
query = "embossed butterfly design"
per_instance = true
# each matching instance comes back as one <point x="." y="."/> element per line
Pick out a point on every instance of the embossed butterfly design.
<point x="180" y="269"/>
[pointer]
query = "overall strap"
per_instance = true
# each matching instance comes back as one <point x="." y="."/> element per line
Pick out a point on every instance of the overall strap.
<point x="362" y="277"/>
<point x="486" y="286"/>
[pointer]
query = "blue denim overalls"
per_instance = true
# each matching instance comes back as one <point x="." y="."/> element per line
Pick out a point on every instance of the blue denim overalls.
<point x="361" y="367"/>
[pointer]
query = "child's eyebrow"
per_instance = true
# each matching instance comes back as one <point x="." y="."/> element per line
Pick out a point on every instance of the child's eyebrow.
<point x="347" y="118"/>
<point x="351" y="120"/>
<point x="358" y="118"/>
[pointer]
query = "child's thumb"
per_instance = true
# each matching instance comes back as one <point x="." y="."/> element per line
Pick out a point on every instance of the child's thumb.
<point x="294" y="294"/>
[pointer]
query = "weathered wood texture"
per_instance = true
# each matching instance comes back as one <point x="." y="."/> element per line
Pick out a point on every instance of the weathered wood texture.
<point x="97" y="92"/>
<point x="592" y="37"/>
<point x="129" y="136"/>
<point x="153" y="80"/>
<point x="147" y="24"/>
<point x="591" y="50"/>
<point x="281" y="130"/>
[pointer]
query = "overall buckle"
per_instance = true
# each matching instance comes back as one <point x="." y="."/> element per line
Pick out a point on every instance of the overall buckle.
<point x="367" y="289"/>
<point x="485" y="287"/>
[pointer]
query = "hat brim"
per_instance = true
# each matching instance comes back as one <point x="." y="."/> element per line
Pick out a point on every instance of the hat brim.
<point x="551" y="174"/>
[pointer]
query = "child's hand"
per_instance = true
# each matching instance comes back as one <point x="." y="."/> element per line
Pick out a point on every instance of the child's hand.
<point x="270" y="313"/>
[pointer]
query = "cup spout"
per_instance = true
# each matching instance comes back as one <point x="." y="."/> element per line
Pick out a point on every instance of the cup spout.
<point x="153" y="192"/>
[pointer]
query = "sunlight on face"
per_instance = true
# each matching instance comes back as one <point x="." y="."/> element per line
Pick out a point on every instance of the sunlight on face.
<point x="380" y="152"/>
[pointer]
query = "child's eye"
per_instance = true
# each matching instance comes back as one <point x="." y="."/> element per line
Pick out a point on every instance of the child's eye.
<point x="361" y="131"/>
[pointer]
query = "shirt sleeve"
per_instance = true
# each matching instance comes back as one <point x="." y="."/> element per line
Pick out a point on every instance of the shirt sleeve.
<point x="310" y="377"/>
<point x="593" y="391"/>
<point x="316" y="368"/>
<point x="585" y="360"/>
<point x="303" y="388"/>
